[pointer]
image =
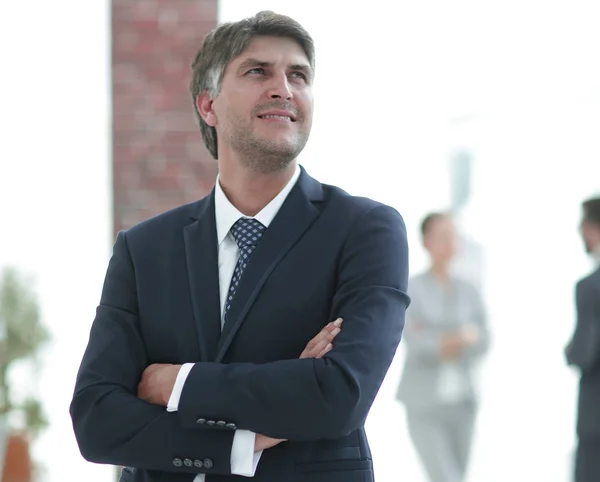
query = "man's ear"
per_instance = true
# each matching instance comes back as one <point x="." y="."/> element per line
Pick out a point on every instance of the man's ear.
<point x="204" y="103"/>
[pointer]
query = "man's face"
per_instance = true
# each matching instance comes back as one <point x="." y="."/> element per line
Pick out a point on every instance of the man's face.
<point x="590" y="232"/>
<point x="264" y="110"/>
<point x="441" y="239"/>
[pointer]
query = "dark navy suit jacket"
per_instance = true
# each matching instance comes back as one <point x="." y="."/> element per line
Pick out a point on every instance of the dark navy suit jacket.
<point x="325" y="255"/>
<point x="584" y="352"/>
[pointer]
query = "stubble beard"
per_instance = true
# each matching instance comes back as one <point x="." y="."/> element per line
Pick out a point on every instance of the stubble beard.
<point x="267" y="157"/>
<point x="264" y="156"/>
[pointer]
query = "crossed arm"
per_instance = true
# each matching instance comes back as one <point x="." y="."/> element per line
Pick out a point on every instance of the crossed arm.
<point x="303" y="399"/>
<point x="158" y="379"/>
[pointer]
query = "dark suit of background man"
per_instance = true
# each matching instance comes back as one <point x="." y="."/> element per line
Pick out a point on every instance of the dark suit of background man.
<point x="584" y="352"/>
<point x="195" y="368"/>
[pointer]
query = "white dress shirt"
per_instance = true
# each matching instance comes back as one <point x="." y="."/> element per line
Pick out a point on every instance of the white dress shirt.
<point x="243" y="458"/>
<point x="595" y="255"/>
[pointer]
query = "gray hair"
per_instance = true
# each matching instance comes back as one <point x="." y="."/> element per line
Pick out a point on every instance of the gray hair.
<point x="226" y="42"/>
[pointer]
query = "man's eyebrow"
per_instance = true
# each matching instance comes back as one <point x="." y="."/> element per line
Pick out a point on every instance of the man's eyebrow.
<point x="253" y="63"/>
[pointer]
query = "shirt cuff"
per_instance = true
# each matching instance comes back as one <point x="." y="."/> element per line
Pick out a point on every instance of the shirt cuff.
<point x="184" y="371"/>
<point x="244" y="459"/>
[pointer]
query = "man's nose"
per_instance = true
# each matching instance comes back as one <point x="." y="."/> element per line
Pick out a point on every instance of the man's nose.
<point x="280" y="88"/>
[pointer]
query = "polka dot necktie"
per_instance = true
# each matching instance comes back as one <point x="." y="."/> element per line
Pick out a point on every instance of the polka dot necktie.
<point x="247" y="233"/>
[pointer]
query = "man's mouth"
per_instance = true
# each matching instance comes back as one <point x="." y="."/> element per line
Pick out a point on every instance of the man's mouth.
<point x="272" y="116"/>
<point x="278" y="115"/>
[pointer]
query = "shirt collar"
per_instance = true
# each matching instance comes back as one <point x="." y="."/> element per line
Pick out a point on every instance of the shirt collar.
<point x="227" y="214"/>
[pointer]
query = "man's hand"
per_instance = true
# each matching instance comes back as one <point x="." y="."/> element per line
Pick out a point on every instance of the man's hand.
<point x="321" y="344"/>
<point x="262" y="442"/>
<point x="453" y="344"/>
<point x="470" y="333"/>
<point x="316" y="348"/>
<point x="157" y="383"/>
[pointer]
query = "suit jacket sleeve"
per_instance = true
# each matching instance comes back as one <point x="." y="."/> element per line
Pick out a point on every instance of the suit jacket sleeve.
<point x="111" y="424"/>
<point x="311" y="399"/>
<point x="584" y="349"/>
<point x="422" y="342"/>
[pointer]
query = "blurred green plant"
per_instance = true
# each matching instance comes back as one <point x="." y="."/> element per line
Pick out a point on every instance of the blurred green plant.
<point x="22" y="335"/>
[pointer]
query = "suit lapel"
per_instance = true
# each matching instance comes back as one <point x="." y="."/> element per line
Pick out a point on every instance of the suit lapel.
<point x="295" y="216"/>
<point x="203" y="272"/>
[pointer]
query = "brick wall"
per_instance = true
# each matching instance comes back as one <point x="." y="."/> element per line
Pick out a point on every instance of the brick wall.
<point x="159" y="160"/>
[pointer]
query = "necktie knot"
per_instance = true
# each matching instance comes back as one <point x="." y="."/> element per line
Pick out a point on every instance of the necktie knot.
<point x="247" y="232"/>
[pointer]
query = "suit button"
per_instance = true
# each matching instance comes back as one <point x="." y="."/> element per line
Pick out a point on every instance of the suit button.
<point x="177" y="462"/>
<point x="210" y="423"/>
<point x="188" y="462"/>
<point x="201" y="421"/>
<point x="220" y="423"/>
<point x="231" y="426"/>
<point x="208" y="464"/>
<point x="198" y="463"/>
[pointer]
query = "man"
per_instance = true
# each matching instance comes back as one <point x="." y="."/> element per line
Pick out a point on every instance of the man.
<point x="195" y="368"/>
<point x="584" y="352"/>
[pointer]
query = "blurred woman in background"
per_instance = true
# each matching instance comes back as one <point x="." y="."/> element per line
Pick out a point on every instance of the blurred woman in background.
<point x="445" y="336"/>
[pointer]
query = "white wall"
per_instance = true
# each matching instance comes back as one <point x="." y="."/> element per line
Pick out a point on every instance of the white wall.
<point x="55" y="190"/>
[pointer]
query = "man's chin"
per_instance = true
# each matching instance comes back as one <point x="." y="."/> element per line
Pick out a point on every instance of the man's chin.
<point x="282" y="146"/>
<point x="283" y="140"/>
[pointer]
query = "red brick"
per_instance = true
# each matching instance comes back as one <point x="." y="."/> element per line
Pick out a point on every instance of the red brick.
<point x="159" y="160"/>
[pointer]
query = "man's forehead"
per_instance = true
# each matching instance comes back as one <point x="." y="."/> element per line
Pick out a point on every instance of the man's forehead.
<point x="273" y="50"/>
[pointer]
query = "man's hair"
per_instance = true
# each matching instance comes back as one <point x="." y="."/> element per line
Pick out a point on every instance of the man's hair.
<point x="591" y="211"/>
<point x="429" y="219"/>
<point x="226" y="42"/>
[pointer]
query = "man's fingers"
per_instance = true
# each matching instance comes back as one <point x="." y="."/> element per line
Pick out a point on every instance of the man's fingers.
<point x="330" y="329"/>
<point x="322" y="344"/>
<point x="317" y="339"/>
<point x="324" y="333"/>
<point x="324" y="351"/>
<point x="317" y="346"/>
<point x="337" y="323"/>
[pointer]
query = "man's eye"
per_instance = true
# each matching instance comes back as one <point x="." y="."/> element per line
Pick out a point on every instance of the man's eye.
<point x="257" y="70"/>
<point x="299" y="74"/>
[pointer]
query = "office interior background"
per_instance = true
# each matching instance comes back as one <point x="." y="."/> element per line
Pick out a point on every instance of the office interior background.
<point x="403" y="90"/>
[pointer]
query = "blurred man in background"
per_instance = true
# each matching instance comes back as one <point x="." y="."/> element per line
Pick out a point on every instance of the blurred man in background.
<point x="583" y="351"/>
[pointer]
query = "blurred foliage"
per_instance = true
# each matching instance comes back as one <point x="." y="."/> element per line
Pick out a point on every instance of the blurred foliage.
<point x="22" y="335"/>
